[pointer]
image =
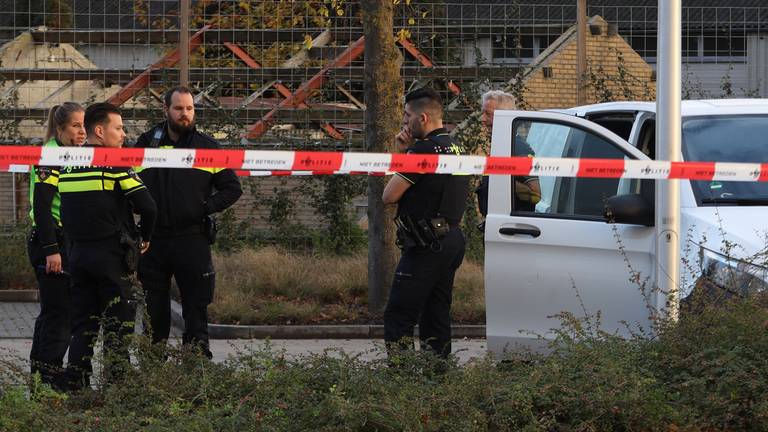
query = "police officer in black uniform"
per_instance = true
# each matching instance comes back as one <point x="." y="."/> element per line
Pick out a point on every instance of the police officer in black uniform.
<point x="429" y="210"/>
<point x="97" y="206"/>
<point x="185" y="200"/>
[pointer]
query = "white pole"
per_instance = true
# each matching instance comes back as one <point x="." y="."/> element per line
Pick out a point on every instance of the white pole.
<point x="581" y="52"/>
<point x="668" y="137"/>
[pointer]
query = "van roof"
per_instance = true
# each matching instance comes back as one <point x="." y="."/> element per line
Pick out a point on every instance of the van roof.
<point x="689" y="108"/>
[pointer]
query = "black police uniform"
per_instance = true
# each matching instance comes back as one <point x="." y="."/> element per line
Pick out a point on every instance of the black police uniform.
<point x="97" y="206"/>
<point x="52" y="327"/>
<point x="185" y="198"/>
<point x="423" y="283"/>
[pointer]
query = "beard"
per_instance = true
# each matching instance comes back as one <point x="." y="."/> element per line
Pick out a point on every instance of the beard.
<point x="180" y="128"/>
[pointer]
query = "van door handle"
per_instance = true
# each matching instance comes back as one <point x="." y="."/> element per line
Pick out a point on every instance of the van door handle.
<point x="533" y="232"/>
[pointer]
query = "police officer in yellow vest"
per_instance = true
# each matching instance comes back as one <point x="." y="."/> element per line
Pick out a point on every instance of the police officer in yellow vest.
<point x="47" y="248"/>
<point x="97" y="206"/>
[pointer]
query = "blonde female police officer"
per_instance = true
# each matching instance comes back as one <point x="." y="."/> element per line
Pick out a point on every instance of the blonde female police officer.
<point x="47" y="249"/>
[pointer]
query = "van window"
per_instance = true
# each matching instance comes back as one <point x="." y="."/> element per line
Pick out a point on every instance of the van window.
<point x="737" y="138"/>
<point x="569" y="197"/>
<point x="619" y="123"/>
<point x="646" y="141"/>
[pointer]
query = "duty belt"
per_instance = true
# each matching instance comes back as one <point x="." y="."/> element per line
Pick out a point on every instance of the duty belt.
<point x="421" y="233"/>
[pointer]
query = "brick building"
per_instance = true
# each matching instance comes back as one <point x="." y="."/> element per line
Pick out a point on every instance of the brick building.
<point x="550" y="81"/>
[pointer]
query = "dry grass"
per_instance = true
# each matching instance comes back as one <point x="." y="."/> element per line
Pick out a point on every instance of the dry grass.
<point x="272" y="286"/>
<point x="469" y="294"/>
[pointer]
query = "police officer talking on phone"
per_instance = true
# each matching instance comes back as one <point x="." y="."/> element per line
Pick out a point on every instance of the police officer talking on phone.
<point x="429" y="210"/>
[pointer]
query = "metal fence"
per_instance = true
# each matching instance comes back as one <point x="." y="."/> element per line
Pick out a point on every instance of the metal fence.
<point x="289" y="74"/>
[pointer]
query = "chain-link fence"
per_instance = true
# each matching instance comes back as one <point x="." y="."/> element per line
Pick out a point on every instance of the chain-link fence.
<point x="289" y="74"/>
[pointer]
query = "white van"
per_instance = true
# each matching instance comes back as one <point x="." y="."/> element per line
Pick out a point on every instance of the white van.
<point x="563" y="252"/>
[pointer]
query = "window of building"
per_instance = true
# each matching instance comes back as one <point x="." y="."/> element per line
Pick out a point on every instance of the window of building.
<point x="696" y="46"/>
<point x="724" y="46"/>
<point x="514" y="45"/>
<point x="644" y="45"/>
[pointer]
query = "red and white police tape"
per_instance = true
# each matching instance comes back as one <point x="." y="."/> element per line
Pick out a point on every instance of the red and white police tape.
<point x="267" y="162"/>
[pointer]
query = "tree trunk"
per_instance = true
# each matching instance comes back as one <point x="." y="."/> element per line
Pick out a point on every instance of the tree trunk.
<point x="383" y="114"/>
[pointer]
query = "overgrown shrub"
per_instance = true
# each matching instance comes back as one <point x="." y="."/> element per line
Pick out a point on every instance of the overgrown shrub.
<point x="706" y="372"/>
<point x="330" y="195"/>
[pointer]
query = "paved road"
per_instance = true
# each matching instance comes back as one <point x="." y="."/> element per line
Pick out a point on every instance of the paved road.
<point x="17" y="320"/>
<point x="17" y="324"/>
<point x="18" y="349"/>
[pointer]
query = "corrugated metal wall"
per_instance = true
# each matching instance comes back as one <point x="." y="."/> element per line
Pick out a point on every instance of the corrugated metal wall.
<point x="712" y="77"/>
<point x="757" y="64"/>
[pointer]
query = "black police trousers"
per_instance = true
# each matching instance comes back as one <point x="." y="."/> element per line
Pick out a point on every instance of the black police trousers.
<point x="188" y="259"/>
<point x="102" y="296"/>
<point x="52" y="327"/>
<point x="421" y="292"/>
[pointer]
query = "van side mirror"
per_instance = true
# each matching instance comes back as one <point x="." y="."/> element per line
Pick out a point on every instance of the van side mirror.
<point x="629" y="209"/>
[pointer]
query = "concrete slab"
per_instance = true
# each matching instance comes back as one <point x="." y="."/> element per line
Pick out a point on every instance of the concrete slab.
<point x="17" y="320"/>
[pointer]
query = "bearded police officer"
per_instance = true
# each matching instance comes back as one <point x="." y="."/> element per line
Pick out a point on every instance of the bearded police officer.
<point x="97" y="205"/>
<point x="429" y="210"/>
<point x="186" y="199"/>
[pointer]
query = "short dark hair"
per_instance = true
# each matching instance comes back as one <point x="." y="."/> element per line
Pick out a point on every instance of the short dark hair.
<point x="170" y="92"/>
<point x="425" y="99"/>
<point x="98" y="113"/>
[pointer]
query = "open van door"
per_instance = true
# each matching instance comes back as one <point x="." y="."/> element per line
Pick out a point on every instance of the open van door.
<point x="557" y="253"/>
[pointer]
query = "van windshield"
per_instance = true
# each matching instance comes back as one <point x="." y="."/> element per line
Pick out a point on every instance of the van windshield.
<point x="727" y="139"/>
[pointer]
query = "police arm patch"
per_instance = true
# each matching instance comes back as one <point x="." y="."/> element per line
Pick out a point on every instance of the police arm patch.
<point x="43" y="173"/>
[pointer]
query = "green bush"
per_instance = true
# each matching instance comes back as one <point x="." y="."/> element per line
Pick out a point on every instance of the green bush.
<point x="706" y="372"/>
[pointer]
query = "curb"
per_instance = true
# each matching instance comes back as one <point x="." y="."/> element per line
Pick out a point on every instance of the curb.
<point x="364" y="331"/>
<point x="225" y="331"/>
<point x="19" y="296"/>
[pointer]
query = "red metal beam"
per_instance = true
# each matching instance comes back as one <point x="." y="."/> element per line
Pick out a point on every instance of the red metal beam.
<point x="242" y="55"/>
<point x="283" y="90"/>
<point x="142" y="80"/>
<point x="425" y="60"/>
<point x="305" y="90"/>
